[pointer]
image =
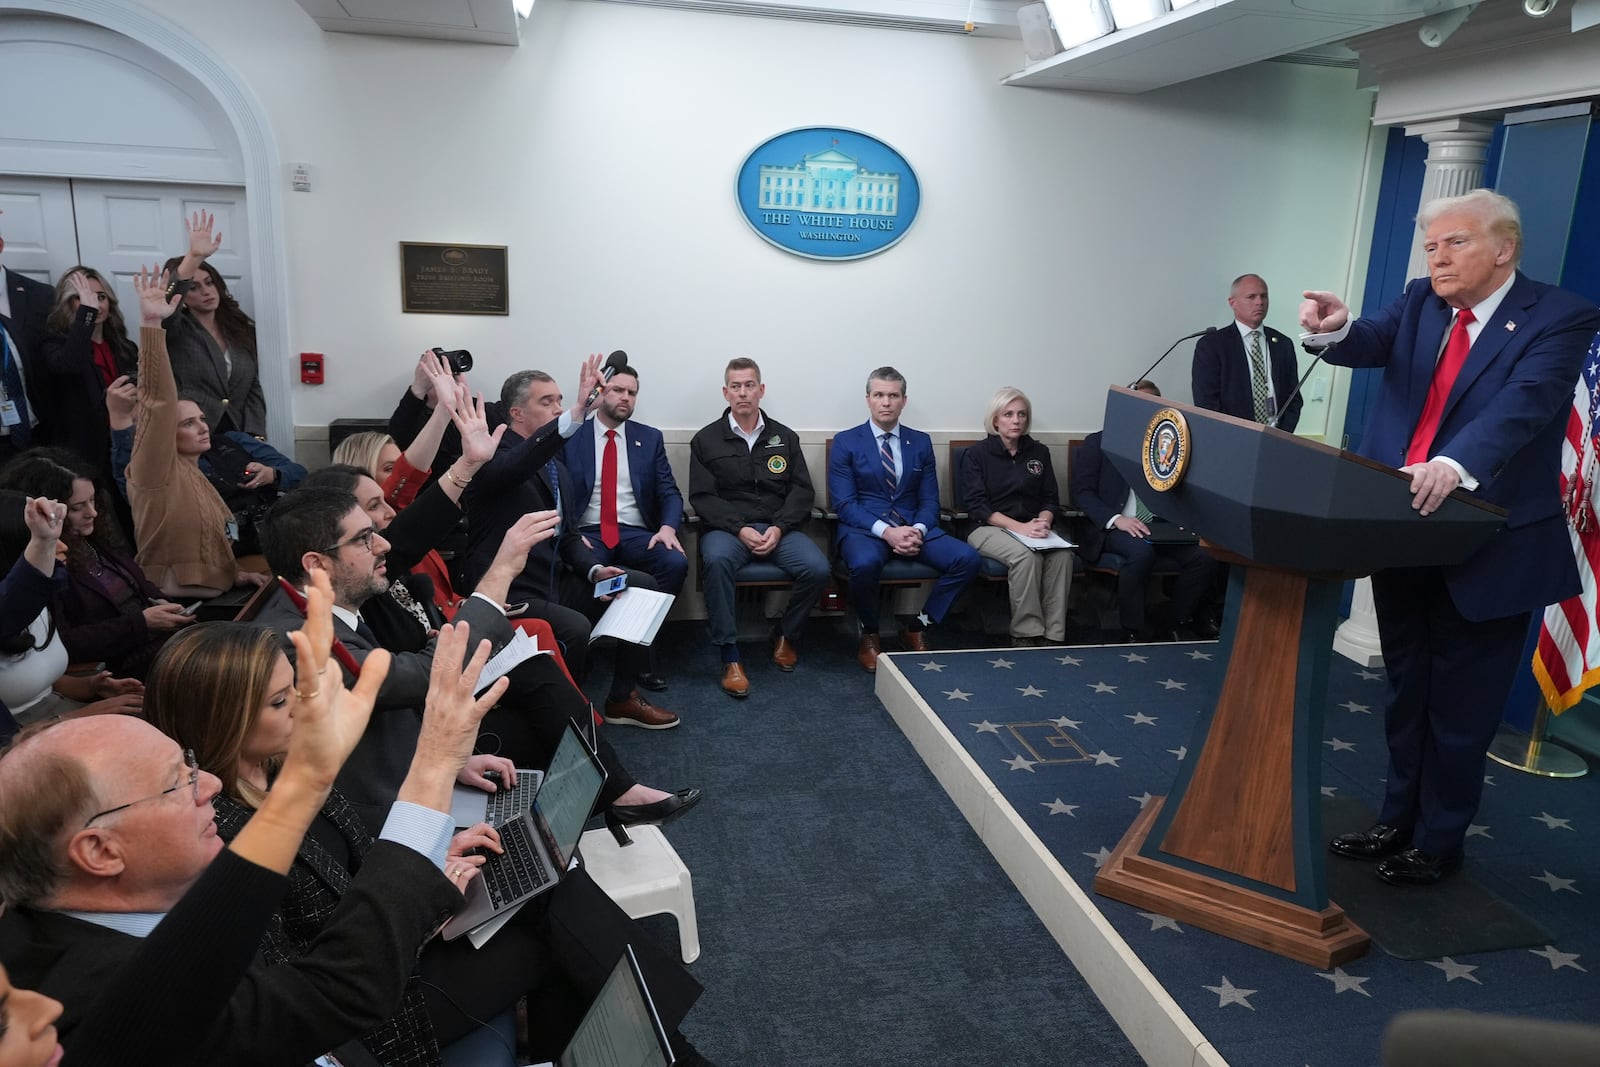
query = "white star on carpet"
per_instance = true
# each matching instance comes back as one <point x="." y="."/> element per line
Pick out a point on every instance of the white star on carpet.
<point x="1327" y="790"/>
<point x="1161" y="922"/>
<point x="1344" y="982"/>
<point x="1065" y="723"/>
<point x="1195" y="653"/>
<point x="1142" y="799"/>
<point x="1476" y="830"/>
<point x="1559" y="959"/>
<point x="1032" y="692"/>
<point x="932" y="665"/>
<point x="1058" y="807"/>
<point x="1101" y="687"/>
<point x="1227" y="993"/>
<point x="986" y="727"/>
<point x="1351" y="705"/>
<point x="1139" y="718"/>
<point x="1134" y="657"/>
<point x="1556" y="884"/>
<point x="955" y="694"/>
<point x="1021" y="763"/>
<point x="1453" y="970"/>
<point x="1100" y="759"/>
<point x="1100" y="857"/>
<point x="1172" y="683"/>
<point x="1000" y="664"/>
<point x="1369" y="676"/>
<point x="1182" y="751"/>
<point x="1069" y="661"/>
<point x="1552" y="822"/>
<point x="1340" y="746"/>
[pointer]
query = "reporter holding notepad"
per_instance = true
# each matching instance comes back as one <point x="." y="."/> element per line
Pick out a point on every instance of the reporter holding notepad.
<point x="1010" y="490"/>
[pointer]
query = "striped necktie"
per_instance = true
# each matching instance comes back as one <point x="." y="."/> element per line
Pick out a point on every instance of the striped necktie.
<point x="886" y="454"/>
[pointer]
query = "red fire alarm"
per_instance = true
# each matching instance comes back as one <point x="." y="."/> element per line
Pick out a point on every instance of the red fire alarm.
<point x="311" y="368"/>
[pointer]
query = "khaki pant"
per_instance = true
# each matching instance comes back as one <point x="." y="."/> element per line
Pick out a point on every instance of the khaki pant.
<point x="1038" y="582"/>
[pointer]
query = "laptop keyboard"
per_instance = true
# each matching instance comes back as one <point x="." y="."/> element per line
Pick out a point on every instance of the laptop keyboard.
<point x="506" y="805"/>
<point x="516" y="872"/>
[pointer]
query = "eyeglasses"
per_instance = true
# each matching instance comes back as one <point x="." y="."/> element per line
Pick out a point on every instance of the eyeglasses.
<point x="364" y="539"/>
<point x="192" y="781"/>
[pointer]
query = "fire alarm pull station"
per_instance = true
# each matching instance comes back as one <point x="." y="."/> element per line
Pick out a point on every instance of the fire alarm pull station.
<point x="311" y="368"/>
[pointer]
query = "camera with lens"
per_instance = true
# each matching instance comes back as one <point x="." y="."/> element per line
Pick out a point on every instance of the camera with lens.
<point x="459" y="360"/>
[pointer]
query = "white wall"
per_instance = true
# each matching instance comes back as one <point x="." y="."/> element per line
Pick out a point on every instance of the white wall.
<point x="1063" y="239"/>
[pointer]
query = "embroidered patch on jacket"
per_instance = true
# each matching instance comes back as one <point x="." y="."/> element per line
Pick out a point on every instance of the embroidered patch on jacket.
<point x="777" y="464"/>
<point x="1035" y="466"/>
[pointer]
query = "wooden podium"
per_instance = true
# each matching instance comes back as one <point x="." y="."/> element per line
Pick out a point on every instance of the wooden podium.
<point x="1237" y="848"/>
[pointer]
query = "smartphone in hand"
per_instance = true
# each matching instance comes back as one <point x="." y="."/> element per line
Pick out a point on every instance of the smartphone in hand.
<point x="610" y="586"/>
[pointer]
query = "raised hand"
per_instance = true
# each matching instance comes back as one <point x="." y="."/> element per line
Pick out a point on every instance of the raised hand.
<point x="328" y="718"/>
<point x="122" y="400"/>
<point x="44" y="518"/>
<point x="478" y="444"/>
<point x="87" y="296"/>
<point x="441" y="383"/>
<point x="588" y="379"/>
<point x="154" y="303"/>
<point x="202" y="243"/>
<point x="451" y="713"/>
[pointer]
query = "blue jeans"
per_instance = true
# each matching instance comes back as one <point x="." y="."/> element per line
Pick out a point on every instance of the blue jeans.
<point x="721" y="556"/>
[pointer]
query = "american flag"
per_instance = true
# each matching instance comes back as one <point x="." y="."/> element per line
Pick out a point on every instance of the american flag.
<point x="1567" y="661"/>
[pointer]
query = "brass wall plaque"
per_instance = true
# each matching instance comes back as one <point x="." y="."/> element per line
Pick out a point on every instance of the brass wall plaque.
<point x="442" y="279"/>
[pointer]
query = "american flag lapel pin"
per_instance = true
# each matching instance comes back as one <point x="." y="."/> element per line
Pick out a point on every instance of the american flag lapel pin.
<point x="1511" y="327"/>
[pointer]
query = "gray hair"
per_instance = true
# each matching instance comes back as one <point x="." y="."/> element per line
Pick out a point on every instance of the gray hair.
<point x="515" y="391"/>
<point x="1498" y="213"/>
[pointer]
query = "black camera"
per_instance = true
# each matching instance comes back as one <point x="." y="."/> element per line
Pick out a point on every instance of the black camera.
<point x="458" y="360"/>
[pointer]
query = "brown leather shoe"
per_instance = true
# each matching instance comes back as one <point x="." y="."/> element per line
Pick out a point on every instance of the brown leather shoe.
<point x="784" y="657"/>
<point x="867" y="652"/>
<point x="637" y="711"/>
<point x="913" y="640"/>
<point x="734" y="683"/>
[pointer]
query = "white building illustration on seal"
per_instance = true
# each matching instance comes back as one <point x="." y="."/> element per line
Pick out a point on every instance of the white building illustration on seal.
<point x="830" y="181"/>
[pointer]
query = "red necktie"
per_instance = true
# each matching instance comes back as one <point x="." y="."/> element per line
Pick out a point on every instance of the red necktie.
<point x="608" y="492"/>
<point x="1444" y="379"/>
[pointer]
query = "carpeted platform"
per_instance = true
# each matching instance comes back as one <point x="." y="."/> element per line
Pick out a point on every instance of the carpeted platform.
<point x="1069" y="743"/>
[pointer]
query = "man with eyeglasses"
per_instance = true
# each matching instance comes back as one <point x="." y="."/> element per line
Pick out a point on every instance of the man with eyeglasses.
<point x="105" y="825"/>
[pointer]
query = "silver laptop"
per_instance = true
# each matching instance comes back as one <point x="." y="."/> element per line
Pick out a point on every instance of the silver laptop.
<point x="538" y="844"/>
<point x="470" y="805"/>
<point x="621" y="1028"/>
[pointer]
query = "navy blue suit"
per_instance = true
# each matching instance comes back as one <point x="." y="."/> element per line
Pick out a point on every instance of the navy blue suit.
<point x="654" y="489"/>
<point x="1453" y="636"/>
<point x="859" y="493"/>
<point x="1220" y="374"/>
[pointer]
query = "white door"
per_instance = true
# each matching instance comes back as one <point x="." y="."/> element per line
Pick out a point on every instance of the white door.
<point x="41" y="239"/>
<point x="125" y="226"/>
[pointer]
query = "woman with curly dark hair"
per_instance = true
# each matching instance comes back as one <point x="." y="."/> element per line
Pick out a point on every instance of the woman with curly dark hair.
<point x="211" y="341"/>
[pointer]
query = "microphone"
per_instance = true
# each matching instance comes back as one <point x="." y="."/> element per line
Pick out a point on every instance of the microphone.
<point x="615" y="362"/>
<point x="1168" y="352"/>
<point x="1298" y="385"/>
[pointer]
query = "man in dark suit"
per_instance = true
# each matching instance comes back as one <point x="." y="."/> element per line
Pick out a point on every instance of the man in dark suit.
<point x="631" y="517"/>
<point x="1245" y="369"/>
<point x="1115" y="525"/>
<point x="558" y="581"/>
<point x="1479" y="364"/>
<point x="884" y="484"/>
<point x="24" y="306"/>
<point x="107" y="824"/>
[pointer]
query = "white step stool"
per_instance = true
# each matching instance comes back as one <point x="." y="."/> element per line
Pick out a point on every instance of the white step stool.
<point x="645" y="878"/>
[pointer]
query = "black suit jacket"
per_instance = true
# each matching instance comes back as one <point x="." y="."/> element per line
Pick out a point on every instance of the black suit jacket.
<point x="1221" y="375"/>
<point x="349" y="981"/>
<point x="1099" y="491"/>
<point x="31" y="302"/>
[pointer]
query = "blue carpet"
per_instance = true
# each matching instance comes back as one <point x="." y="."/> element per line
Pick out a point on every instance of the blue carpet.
<point x="848" y="914"/>
<point x="1078" y="739"/>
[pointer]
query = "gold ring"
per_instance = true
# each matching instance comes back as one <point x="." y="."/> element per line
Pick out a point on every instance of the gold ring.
<point x="307" y="696"/>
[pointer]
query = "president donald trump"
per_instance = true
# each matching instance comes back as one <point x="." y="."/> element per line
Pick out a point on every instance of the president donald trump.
<point x="1479" y="363"/>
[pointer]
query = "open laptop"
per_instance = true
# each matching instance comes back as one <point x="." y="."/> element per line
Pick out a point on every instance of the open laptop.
<point x="621" y="1028"/>
<point x="538" y="844"/>
<point x="1167" y="532"/>
<point x="470" y="805"/>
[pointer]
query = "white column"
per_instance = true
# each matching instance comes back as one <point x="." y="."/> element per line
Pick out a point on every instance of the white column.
<point x="1457" y="151"/>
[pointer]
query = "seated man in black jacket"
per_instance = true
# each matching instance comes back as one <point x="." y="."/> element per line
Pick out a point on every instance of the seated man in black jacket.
<point x="105" y="824"/>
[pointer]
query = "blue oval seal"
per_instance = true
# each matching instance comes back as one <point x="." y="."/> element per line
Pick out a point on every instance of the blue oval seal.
<point x="828" y="193"/>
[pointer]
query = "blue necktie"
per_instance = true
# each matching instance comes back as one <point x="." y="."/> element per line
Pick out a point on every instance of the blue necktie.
<point x="11" y="382"/>
<point x="893" y="483"/>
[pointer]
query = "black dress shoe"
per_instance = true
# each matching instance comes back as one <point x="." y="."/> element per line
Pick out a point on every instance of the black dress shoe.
<point x="1371" y="844"/>
<point x="659" y="812"/>
<point x="652" y="681"/>
<point x="1416" y="867"/>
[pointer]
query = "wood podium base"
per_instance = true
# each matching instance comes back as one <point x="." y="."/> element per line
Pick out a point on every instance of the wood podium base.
<point x="1321" y="938"/>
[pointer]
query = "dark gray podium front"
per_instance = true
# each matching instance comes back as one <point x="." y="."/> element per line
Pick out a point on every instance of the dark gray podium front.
<point x="1237" y="847"/>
